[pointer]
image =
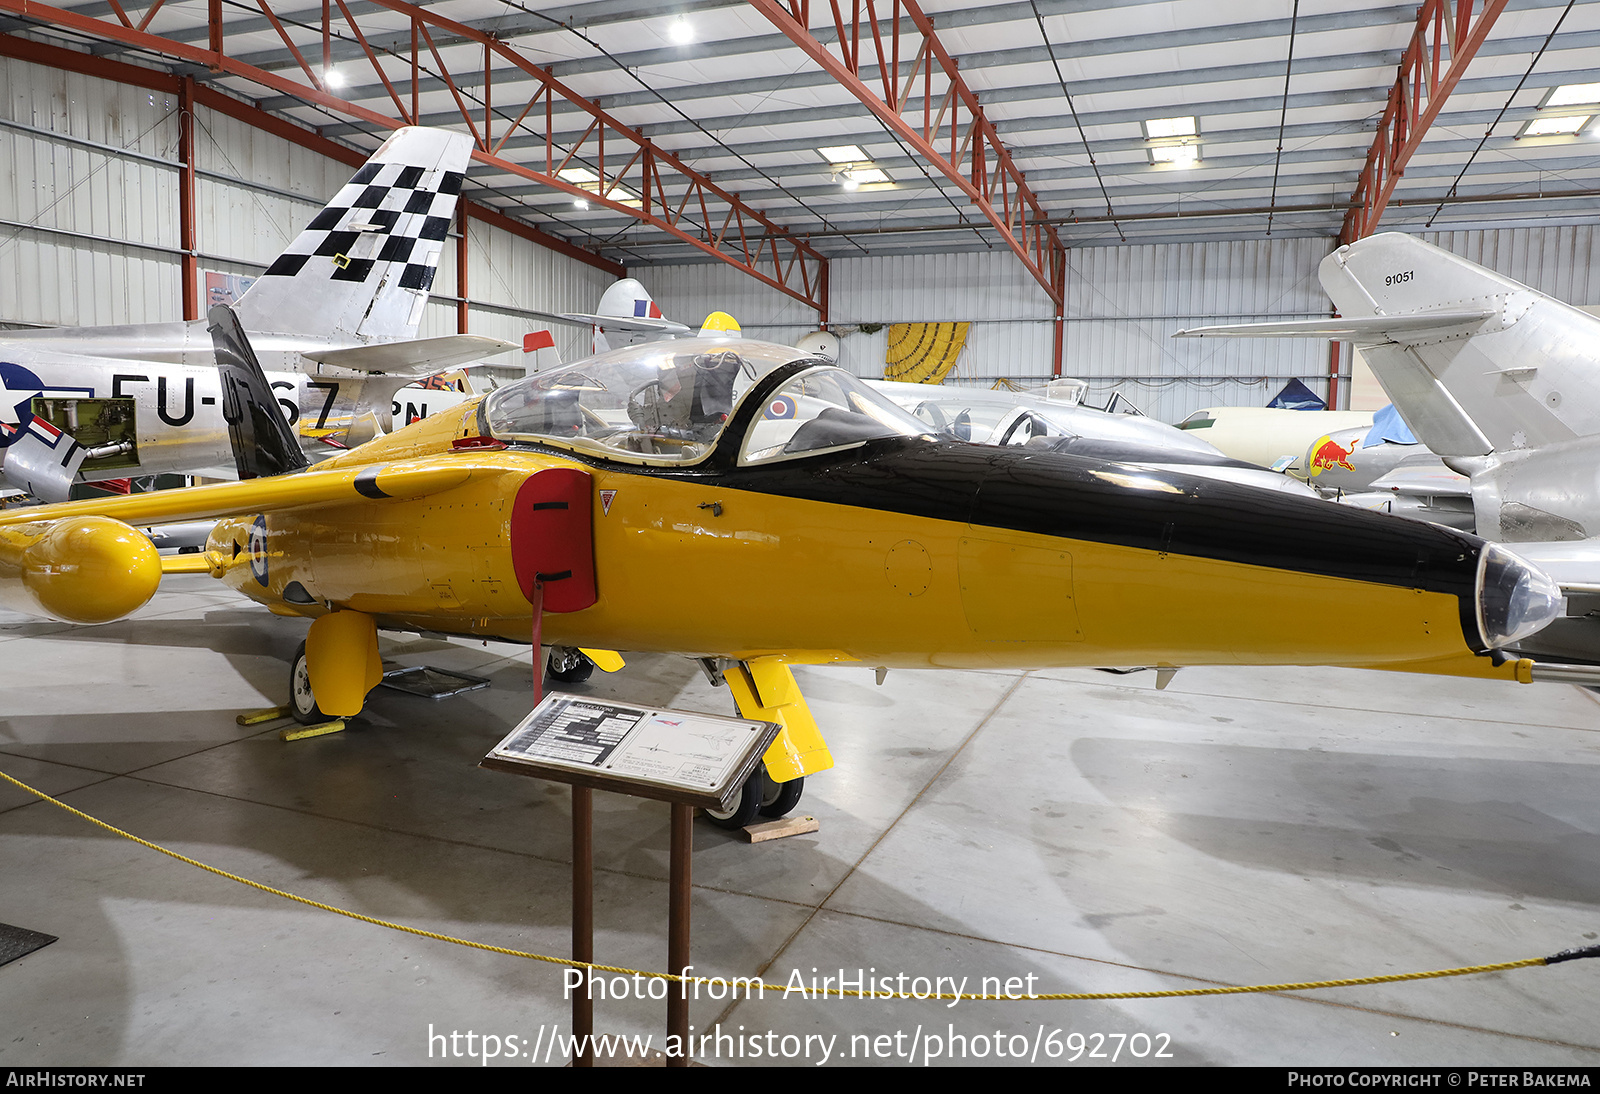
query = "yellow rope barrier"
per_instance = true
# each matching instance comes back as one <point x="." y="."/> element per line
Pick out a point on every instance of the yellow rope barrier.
<point x="1565" y="955"/>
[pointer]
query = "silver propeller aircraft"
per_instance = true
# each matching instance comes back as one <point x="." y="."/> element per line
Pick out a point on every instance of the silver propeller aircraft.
<point x="1499" y="380"/>
<point x="333" y="321"/>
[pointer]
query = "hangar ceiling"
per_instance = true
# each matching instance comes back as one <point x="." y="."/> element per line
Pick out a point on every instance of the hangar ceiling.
<point x="754" y="149"/>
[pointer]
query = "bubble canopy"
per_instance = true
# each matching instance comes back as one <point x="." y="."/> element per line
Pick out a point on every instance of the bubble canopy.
<point x="669" y="403"/>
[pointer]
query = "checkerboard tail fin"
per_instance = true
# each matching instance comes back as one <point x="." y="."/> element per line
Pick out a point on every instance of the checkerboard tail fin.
<point x="364" y="265"/>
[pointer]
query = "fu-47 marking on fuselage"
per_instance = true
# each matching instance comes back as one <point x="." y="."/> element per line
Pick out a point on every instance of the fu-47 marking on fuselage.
<point x="333" y="320"/>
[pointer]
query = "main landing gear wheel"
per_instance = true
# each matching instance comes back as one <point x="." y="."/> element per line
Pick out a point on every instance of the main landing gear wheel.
<point x="760" y="797"/>
<point x="779" y="798"/>
<point x="568" y="666"/>
<point x="745" y="806"/>
<point x="303" y="704"/>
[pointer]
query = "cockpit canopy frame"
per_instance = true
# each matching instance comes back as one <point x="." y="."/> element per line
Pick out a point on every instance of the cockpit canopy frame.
<point x="671" y="404"/>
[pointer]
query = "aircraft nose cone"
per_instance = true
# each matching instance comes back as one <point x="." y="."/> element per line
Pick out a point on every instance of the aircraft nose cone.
<point x="1515" y="598"/>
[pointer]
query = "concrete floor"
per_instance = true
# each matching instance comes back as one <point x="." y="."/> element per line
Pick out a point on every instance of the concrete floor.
<point x="1241" y="827"/>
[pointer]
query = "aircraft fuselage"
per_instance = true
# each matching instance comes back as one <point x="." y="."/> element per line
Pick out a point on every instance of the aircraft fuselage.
<point x="905" y="552"/>
<point x="151" y="395"/>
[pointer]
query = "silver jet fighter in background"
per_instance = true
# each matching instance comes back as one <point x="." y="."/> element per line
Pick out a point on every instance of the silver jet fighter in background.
<point x="1499" y="380"/>
<point x="333" y="322"/>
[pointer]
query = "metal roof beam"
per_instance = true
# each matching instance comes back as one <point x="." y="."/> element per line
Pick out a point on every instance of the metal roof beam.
<point x="1443" y="43"/>
<point x="972" y="156"/>
<point x="1384" y="16"/>
<point x="707" y="218"/>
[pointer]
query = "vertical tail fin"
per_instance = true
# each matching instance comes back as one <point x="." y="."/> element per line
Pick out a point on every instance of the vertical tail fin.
<point x="1524" y="375"/>
<point x="363" y="267"/>
<point x="628" y="299"/>
<point x="261" y="439"/>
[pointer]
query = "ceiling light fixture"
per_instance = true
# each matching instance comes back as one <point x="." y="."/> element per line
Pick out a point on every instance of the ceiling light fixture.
<point x="842" y="155"/>
<point x="333" y="78"/>
<point x="680" y="31"/>
<point x="1572" y="95"/>
<point x="1164" y="128"/>
<point x="1553" y="127"/>
<point x="1178" y="155"/>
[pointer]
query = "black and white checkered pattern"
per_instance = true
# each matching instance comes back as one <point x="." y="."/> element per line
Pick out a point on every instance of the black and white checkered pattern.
<point x="403" y="211"/>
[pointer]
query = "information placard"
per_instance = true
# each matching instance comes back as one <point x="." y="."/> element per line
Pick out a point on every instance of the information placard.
<point x="670" y="755"/>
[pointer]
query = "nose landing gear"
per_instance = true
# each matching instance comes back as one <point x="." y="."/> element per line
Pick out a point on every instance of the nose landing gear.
<point x="761" y="796"/>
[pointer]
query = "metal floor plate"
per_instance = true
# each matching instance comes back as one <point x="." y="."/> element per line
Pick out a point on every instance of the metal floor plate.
<point x="432" y="683"/>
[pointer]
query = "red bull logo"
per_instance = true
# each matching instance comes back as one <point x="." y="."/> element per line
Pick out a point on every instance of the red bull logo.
<point x="1328" y="453"/>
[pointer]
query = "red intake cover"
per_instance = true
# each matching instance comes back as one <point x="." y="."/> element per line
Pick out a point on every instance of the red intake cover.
<point x="552" y="538"/>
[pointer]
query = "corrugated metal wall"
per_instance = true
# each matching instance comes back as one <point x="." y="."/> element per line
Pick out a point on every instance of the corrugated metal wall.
<point x="89" y="216"/>
<point x="107" y="249"/>
<point x="89" y="235"/>
<point x="1561" y="261"/>
<point x="1123" y="304"/>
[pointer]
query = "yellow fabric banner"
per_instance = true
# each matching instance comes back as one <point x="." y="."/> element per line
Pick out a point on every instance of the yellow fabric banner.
<point x="923" y="353"/>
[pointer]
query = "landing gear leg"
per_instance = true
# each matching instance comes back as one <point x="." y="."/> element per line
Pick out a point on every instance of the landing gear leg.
<point x="568" y="666"/>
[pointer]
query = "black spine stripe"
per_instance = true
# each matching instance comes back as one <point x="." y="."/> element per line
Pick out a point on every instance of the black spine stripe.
<point x="552" y="577"/>
<point x="1091" y="500"/>
<point x="367" y="484"/>
<point x="550" y="505"/>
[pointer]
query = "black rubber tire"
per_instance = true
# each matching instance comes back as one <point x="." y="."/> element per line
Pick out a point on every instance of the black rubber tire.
<point x="747" y="806"/>
<point x="781" y="798"/>
<point x="575" y="675"/>
<point x="302" y="704"/>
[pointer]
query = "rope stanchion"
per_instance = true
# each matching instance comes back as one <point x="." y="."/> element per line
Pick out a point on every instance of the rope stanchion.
<point x="1575" y="954"/>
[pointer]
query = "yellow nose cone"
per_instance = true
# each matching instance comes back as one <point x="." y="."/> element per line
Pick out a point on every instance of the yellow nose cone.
<point x="720" y="322"/>
<point x="91" y="570"/>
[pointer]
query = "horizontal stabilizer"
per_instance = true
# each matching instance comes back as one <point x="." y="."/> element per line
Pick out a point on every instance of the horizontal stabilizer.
<point x="40" y="459"/>
<point x="1368" y="329"/>
<point x="621" y="322"/>
<point x="415" y="358"/>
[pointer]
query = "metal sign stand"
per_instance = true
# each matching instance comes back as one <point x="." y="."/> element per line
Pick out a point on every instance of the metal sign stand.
<point x="687" y="759"/>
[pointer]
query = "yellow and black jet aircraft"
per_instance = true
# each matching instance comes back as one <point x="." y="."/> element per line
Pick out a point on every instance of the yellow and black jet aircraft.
<point x="742" y="503"/>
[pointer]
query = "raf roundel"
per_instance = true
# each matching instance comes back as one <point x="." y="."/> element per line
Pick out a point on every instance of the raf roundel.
<point x="258" y="550"/>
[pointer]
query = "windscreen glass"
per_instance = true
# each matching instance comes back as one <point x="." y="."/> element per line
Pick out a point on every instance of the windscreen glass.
<point x="661" y="402"/>
<point x="823" y="409"/>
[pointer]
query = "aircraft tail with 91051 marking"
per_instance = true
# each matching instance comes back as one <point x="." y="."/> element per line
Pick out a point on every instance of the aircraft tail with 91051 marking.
<point x="333" y="321"/>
